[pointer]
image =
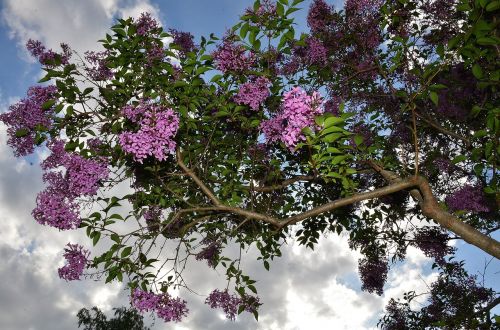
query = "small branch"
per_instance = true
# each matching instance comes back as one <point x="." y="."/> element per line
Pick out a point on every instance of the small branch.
<point x="392" y="188"/>
<point x="195" y="178"/>
<point x="283" y="184"/>
<point x="443" y="130"/>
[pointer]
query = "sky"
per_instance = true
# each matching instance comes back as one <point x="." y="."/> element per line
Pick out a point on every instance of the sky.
<point x="304" y="289"/>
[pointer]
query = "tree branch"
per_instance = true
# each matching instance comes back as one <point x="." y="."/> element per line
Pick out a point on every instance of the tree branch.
<point x="283" y="184"/>
<point x="443" y="130"/>
<point x="430" y="208"/>
<point x="392" y="188"/>
<point x="195" y="178"/>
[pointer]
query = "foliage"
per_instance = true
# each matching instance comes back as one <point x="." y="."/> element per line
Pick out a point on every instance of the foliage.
<point x="381" y="123"/>
<point x="124" y="318"/>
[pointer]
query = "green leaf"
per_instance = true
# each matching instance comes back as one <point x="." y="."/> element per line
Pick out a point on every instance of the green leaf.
<point x="434" y="97"/>
<point x="330" y="121"/>
<point x="244" y="31"/>
<point x="358" y="139"/>
<point x="126" y="252"/>
<point x="458" y="159"/>
<point x="97" y="236"/>
<point x="487" y="41"/>
<point x="266" y="265"/>
<point x="492" y="6"/>
<point x="22" y="132"/>
<point x="477" y="71"/>
<point x="338" y="159"/>
<point x="48" y="104"/>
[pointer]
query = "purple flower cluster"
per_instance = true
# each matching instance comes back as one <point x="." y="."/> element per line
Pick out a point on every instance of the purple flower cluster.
<point x="27" y="116"/>
<point x="469" y="198"/>
<point x="318" y="16"/>
<point x="47" y="57"/>
<point x="360" y="6"/>
<point x="433" y="242"/>
<point x="210" y="252"/>
<point x="231" y="303"/>
<point x="316" y="52"/>
<point x="253" y="93"/>
<point x="232" y="57"/>
<point x="157" y="128"/>
<point x="333" y="106"/>
<point x="166" y="307"/>
<point x="146" y="24"/>
<point x="77" y="259"/>
<point x="184" y="40"/>
<point x="99" y="69"/>
<point x="56" y="210"/>
<point x="443" y="165"/>
<point x="56" y="205"/>
<point x="365" y="132"/>
<point x="95" y="144"/>
<point x="152" y="217"/>
<point x="298" y="112"/>
<point x="84" y="175"/>
<point x="373" y="274"/>
<point x="258" y="152"/>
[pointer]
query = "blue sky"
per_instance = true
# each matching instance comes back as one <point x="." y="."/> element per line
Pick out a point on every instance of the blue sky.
<point x="303" y="290"/>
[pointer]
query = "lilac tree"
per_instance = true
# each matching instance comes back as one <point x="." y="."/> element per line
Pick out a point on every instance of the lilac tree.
<point x="385" y="113"/>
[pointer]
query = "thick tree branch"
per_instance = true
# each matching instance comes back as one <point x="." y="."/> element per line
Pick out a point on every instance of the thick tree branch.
<point x="392" y="188"/>
<point x="430" y="208"/>
<point x="195" y="178"/>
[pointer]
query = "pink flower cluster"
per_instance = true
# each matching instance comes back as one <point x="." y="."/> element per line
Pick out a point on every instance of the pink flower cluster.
<point x="77" y="259"/>
<point x="47" y="57"/>
<point x="157" y="128"/>
<point x="27" y="116"/>
<point x="231" y="303"/>
<point x="56" y="205"/>
<point x="232" y="57"/>
<point x="166" y="307"/>
<point x="253" y="93"/>
<point x="297" y="112"/>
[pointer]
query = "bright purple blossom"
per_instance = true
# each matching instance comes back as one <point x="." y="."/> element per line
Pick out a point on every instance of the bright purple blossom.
<point x="469" y="198"/>
<point x="157" y="127"/>
<point x="56" y="210"/>
<point x="84" y="175"/>
<point x="77" y="259"/>
<point x="232" y="57"/>
<point x="47" y="57"/>
<point x="26" y="117"/>
<point x="316" y="52"/>
<point x="171" y="309"/>
<point x="230" y="303"/>
<point x="58" y="155"/>
<point x="318" y="16"/>
<point x="253" y="93"/>
<point x="99" y="69"/>
<point x="227" y="302"/>
<point x="144" y="301"/>
<point x="166" y="307"/>
<point x="146" y="24"/>
<point x="298" y="112"/>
